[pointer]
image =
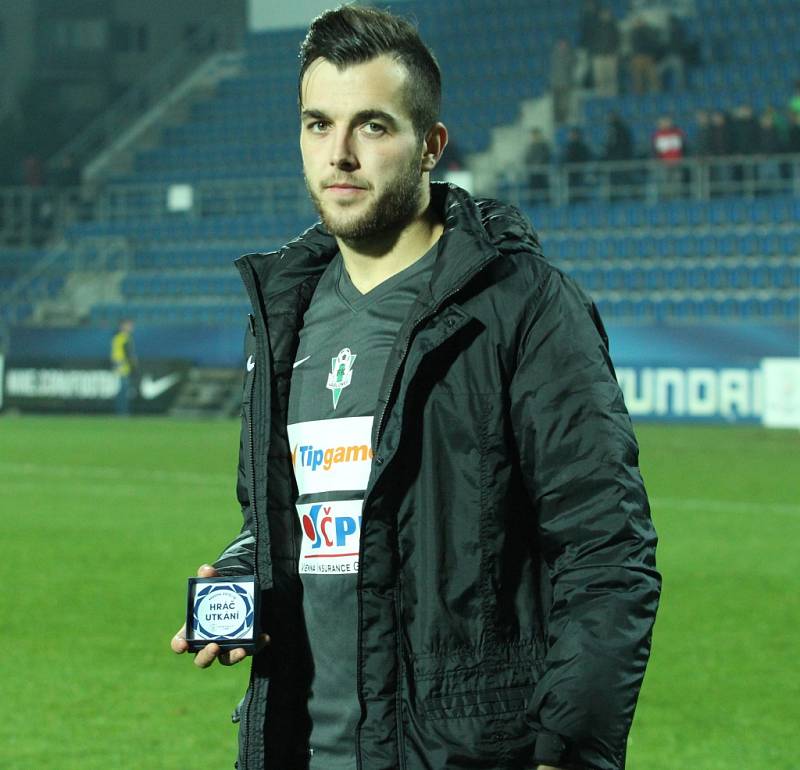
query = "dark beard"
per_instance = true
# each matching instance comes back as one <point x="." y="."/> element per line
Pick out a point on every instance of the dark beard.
<point x="394" y="210"/>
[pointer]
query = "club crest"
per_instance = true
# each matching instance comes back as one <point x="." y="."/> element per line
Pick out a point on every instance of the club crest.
<point x="341" y="373"/>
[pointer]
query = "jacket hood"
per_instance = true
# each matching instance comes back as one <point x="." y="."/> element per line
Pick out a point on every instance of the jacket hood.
<point x="476" y="231"/>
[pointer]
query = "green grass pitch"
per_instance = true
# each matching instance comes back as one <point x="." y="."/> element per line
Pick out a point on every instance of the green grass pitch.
<point x="103" y="520"/>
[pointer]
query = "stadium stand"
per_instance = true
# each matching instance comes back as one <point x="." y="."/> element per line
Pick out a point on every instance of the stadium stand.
<point x="675" y="260"/>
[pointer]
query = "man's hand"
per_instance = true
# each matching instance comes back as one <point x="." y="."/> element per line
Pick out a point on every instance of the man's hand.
<point x="212" y="651"/>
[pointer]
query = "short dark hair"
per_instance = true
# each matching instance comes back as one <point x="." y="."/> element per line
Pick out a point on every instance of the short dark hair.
<point x="353" y="35"/>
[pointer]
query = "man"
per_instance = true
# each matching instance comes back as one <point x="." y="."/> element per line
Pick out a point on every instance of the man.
<point x="123" y="360"/>
<point x="669" y="147"/>
<point x="646" y="48"/>
<point x="576" y="153"/>
<point x="618" y="149"/>
<point x="604" y="50"/>
<point x="538" y="154"/>
<point x="562" y="77"/>
<point x="438" y="476"/>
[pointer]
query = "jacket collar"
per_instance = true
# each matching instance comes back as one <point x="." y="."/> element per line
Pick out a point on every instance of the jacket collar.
<point x="476" y="231"/>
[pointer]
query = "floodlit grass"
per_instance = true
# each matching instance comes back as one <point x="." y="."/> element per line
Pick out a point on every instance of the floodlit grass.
<point x="103" y="520"/>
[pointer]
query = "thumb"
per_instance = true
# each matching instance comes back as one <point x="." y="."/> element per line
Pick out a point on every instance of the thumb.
<point x="206" y="570"/>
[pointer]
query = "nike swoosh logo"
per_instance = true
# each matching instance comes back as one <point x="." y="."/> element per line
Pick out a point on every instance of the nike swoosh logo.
<point x="301" y="361"/>
<point x="150" y="388"/>
<point x="251" y="364"/>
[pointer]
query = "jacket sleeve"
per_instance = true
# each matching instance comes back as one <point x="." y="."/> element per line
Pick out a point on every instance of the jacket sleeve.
<point x="238" y="558"/>
<point x="579" y="457"/>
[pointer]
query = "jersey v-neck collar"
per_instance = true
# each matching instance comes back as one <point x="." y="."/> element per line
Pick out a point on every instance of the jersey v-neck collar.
<point x="356" y="301"/>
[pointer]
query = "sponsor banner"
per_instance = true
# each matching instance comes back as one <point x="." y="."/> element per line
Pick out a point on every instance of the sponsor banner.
<point x="89" y="386"/>
<point x="781" y="392"/>
<point x="331" y="536"/>
<point x="331" y="455"/>
<point x="693" y="394"/>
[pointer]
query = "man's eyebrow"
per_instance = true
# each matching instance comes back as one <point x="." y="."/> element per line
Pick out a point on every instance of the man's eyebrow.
<point x="360" y="117"/>
<point x="315" y="114"/>
<point x="366" y="115"/>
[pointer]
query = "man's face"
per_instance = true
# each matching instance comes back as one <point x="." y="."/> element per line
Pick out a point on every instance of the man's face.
<point x="361" y="156"/>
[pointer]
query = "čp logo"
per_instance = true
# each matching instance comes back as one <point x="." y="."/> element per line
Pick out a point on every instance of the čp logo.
<point x="322" y="526"/>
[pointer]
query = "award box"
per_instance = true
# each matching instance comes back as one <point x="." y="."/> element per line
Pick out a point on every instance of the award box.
<point x="223" y="610"/>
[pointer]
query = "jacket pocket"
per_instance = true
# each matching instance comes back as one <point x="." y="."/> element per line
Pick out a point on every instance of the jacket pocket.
<point x="478" y="703"/>
<point x="486" y="727"/>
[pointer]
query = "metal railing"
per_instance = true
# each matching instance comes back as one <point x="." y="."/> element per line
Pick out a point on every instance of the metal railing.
<point x="31" y="216"/>
<point x="204" y="199"/>
<point x="653" y="180"/>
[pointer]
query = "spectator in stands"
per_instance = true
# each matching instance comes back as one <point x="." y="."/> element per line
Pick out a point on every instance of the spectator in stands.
<point x="702" y="141"/>
<point x="791" y="170"/>
<point x="619" y="139"/>
<point x="744" y="131"/>
<point x="645" y="45"/>
<point x="562" y="78"/>
<point x="507" y="550"/>
<point x="618" y="148"/>
<point x="781" y="121"/>
<point x="719" y="146"/>
<point x="590" y="16"/>
<point x="744" y="141"/>
<point x="793" y="140"/>
<point x="538" y="154"/>
<point x="794" y="99"/>
<point x="673" y="60"/>
<point x="576" y="151"/>
<point x="719" y="136"/>
<point x="770" y="144"/>
<point x="124" y="363"/>
<point x="669" y="148"/>
<point x="770" y="140"/>
<point x="604" y="51"/>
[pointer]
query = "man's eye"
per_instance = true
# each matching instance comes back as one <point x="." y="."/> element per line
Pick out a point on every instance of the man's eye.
<point x="317" y="126"/>
<point x="375" y="128"/>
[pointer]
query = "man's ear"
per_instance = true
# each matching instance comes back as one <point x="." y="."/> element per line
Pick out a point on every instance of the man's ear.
<point x="435" y="142"/>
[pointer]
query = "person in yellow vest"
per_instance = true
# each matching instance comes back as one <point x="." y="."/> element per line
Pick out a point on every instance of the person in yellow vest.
<point x="123" y="359"/>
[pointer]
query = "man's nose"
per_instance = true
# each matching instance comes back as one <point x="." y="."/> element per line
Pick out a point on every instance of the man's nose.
<point x="342" y="154"/>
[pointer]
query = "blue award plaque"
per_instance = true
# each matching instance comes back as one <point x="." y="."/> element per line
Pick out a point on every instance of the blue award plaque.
<point x="223" y="610"/>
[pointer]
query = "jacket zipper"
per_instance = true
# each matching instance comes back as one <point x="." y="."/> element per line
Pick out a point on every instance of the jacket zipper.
<point x="410" y="336"/>
<point x="253" y="511"/>
<point x="359" y="672"/>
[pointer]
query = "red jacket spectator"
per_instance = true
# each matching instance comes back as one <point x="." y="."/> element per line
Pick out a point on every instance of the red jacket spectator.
<point x="669" y="142"/>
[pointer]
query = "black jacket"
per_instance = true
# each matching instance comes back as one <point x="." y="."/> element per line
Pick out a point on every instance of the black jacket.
<point x="507" y="583"/>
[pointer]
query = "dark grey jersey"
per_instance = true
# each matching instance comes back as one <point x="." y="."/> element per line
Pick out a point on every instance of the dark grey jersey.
<point x="343" y="350"/>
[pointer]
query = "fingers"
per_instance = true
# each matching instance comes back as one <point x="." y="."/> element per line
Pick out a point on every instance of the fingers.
<point x="206" y="570"/>
<point x="207" y="655"/>
<point x="232" y="657"/>
<point x="212" y="652"/>
<point x="178" y="642"/>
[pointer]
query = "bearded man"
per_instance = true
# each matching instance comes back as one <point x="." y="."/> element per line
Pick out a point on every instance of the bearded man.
<point x="438" y="477"/>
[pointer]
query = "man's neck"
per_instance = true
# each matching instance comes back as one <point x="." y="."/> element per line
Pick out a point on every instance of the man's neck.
<point x="369" y="265"/>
